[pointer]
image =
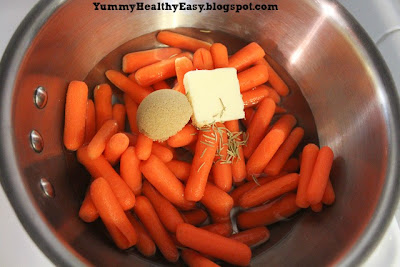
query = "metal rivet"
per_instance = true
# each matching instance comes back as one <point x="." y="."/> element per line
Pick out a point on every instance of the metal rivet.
<point x="47" y="187"/>
<point x="40" y="97"/>
<point x="36" y="141"/>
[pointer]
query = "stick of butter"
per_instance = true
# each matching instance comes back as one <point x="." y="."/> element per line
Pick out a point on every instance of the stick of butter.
<point x="214" y="96"/>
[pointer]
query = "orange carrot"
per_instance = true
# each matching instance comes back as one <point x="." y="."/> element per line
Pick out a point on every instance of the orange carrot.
<point x="158" y="174"/>
<point x="119" y="114"/>
<point x="248" y="115"/>
<point x="100" y="139"/>
<point x="269" y="190"/>
<point x="194" y="259"/>
<point x="143" y="147"/>
<point x="255" y="96"/>
<point x="159" y="71"/>
<point x="134" y="90"/>
<point x="223" y="229"/>
<point x="280" y="110"/>
<point x="252" y="77"/>
<point x="252" y="237"/>
<point x="148" y="216"/>
<point x="195" y="217"/>
<point x="217" y="200"/>
<point x="309" y="155"/>
<point x="216" y="218"/>
<point x="258" y="126"/>
<point x="168" y="214"/>
<point x="291" y="165"/>
<point x="238" y="164"/>
<point x="132" y="138"/>
<point x="270" y="144"/>
<point x="129" y="170"/>
<point x="277" y="83"/>
<point x="271" y="93"/>
<point x="179" y="168"/>
<point x="219" y="54"/>
<point x="284" y="152"/>
<point x="181" y="41"/>
<point x="268" y="213"/>
<point x="102" y="95"/>
<point x="214" y="245"/>
<point x="246" y="56"/>
<point x="320" y="175"/>
<point x="88" y="212"/>
<point x="316" y="207"/>
<point x="184" y="137"/>
<point x="112" y="215"/>
<point x="222" y="170"/>
<point x="131" y="111"/>
<point x="182" y="66"/>
<point x="131" y="62"/>
<point x="100" y="167"/>
<point x="162" y="152"/>
<point x="206" y="147"/>
<point x="133" y="78"/>
<point x="144" y="243"/>
<point x="202" y="59"/>
<point x="329" y="195"/>
<point x="75" y="115"/>
<point x="90" y="123"/>
<point x="117" y="145"/>
<point x="161" y="85"/>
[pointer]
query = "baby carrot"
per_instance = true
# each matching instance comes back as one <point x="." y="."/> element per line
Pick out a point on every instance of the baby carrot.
<point x="179" y="168"/>
<point x="248" y="116"/>
<point x="131" y="62"/>
<point x="268" y="213"/>
<point x="161" y="85"/>
<point x="329" y="196"/>
<point x="182" y="66"/>
<point x="148" y="216"/>
<point x="195" y="217"/>
<point x="75" y="115"/>
<point x="194" y="259"/>
<point x="184" y="137"/>
<point x="129" y="170"/>
<point x="131" y="111"/>
<point x="90" y="123"/>
<point x="133" y="79"/>
<point x="217" y="200"/>
<point x="88" y="212"/>
<point x="206" y="147"/>
<point x="238" y="165"/>
<point x="284" y="152"/>
<point x="258" y="126"/>
<point x="219" y="54"/>
<point x="316" y="207"/>
<point x="181" y="41"/>
<point x="255" y="96"/>
<point x="252" y="77"/>
<point x="277" y="83"/>
<point x="98" y="143"/>
<point x="216" y="218"/>
<point x="202" y="59"/>
<point x="271" y="93"/>
<point x="291" y="165"/>
<point x="144" y="243"/>
<point x="252" y="237"/>
<point x="162" y="152"/>
<point x="269" y="190"/>
<point x="280" y="110"/>
<point x="111" y="213"/>
<point x="117" y="145"/>
<point x="158" y="174"/>
<point x="102" y="95"/>
<point x="158" y="71"/>
<point x="119" y="114"/>
<point x="100" y="167"/>
<point x="309" y="155"/>
<point x="168" y="214"/>
<point x="222" y="170"/>
<point x="320" y="175"/>
<point x="214" y="245"/>
<point x="246" y="56"/>
<point x="143" y="147"/>
<point x="223" y="229"/>
<point x="270" y="144"/>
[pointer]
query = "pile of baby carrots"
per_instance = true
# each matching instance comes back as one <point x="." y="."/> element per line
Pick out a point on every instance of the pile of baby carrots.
<point x="149" y="196"/>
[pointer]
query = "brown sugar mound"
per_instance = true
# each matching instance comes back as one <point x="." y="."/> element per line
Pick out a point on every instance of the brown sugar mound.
<point x="163" y="113"/>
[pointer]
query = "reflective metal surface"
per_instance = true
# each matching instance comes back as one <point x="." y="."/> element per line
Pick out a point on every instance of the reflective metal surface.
<point x="318" y="49"/>
<point x="40" y="97"/>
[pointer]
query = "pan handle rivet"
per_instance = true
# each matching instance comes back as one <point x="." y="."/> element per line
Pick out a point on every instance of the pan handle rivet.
<point x="47" y="187"/>
<point x="36" y="140"/>
<point x="40" y="97"/>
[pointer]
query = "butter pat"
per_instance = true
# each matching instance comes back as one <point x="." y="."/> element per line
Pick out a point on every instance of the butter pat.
<point x="214" y="96"/>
